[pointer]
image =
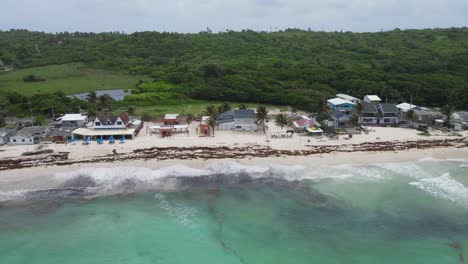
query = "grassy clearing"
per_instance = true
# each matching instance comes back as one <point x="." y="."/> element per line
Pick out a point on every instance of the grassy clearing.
<point x="68" y="78"/>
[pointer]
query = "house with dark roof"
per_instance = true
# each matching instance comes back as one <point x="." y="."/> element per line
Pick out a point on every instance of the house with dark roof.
<point x="240" y="120"/>
<point x="388" y="114"/>
<point x="109" y="125"/>
<point x="369" y="114"/>
<point x="379" y="114"/>
<point x="111" y="121"/>
<point x="339" y="119"/>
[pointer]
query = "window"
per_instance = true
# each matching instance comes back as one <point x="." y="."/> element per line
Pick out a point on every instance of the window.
<point x="387" y="120"/>
<point x="97" y="123"/>
<point x="119" y="123"/>
<point x="22" y="140"/>
<point x="14" y="140"/>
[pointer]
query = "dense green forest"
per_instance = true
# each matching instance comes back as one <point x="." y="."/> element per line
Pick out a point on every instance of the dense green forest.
<point x="292" y="67"/>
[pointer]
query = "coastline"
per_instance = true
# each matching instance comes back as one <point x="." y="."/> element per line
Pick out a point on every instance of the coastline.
<point x="37" y="175"/>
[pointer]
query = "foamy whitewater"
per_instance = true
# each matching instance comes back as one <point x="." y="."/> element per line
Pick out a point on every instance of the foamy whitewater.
<point x="228" y="212"/>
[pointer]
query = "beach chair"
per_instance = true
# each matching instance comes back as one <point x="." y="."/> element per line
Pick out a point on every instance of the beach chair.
<point x="85" y="141"/>
<point x="122" y="140"/>
<point x="111" y="140"/>
<point x="73" y="141"/>
<point x="99" y="141"/>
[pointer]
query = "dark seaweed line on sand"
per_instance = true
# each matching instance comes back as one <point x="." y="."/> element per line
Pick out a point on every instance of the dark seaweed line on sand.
<point x="255" y="151"/>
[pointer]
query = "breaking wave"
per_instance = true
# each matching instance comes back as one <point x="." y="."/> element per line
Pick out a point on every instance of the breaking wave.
<point x="88" y="183"/>
<point x="444" y="187"/>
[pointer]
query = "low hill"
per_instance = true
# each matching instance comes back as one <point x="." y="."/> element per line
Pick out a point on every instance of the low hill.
<point x="293" y="67"/>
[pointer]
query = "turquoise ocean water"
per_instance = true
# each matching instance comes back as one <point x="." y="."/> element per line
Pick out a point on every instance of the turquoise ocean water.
<point x="228" y="213"/>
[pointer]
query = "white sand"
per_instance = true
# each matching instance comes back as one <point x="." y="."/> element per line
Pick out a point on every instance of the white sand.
<point x="227" y="138"/>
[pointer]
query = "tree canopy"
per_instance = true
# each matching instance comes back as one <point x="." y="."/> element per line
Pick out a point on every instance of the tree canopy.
<point x="291" y="67"/>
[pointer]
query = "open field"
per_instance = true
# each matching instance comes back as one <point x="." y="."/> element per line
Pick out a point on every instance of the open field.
<point x="69" y="78"/>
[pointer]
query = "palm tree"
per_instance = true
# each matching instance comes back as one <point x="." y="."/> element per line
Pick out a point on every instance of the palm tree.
<point x="211" y="122"/>
<point x="447" y="111"/>
<point x="131" y="109"/>
<point x="262" y="116"/>
<point x="243" y="107"/>
<point x="104" y="101"/>
<point x="92" y="97"/>
<point x="354" y="120"/>
<point x="281" y="120"/>
<point x="210" y="110"/>
<point x="224" y="107"/>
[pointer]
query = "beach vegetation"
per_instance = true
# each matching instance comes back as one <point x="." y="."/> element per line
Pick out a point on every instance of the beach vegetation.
<point x="262" y="117"/>
<point x="281" y="120"/>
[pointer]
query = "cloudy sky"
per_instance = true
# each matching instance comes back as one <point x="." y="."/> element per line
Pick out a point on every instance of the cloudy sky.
<point x="219" y="15"/>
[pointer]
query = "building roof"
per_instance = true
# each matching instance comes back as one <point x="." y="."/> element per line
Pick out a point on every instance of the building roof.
<point x="113" y="118"/>
<point x="406" y="106"/>
<point x="61" y="132"/>
<point x="73" y="117"/>
<point x="339" y="101"/>
<point x="347" y="97"/>
<point x="231" y="115"/>
<point x="103" y="132"/>
<point x="368" y="108"/>
<point x="33" y="131"/>
<point x="373" y="98"/>
<point x="5" y="132"/>
<point x="171" y="116"/>
<point x="117" y="95"/>
<point x="463" y="116"/>
<point x="389" y="108"/>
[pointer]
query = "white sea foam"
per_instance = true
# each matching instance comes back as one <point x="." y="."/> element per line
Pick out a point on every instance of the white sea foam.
<point x="444" y="187"/>
<point x="412" y="170"/>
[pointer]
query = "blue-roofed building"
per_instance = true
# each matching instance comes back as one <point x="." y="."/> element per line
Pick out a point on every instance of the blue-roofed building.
<point x="240" y="120"/>
<point x="340" y="104"/>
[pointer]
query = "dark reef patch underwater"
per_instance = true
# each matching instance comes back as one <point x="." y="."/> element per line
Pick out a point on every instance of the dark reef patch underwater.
<point x="381" y="213"/>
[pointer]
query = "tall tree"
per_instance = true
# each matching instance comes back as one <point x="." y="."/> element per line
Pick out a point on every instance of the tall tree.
<point x="210" y="110"/>
<point x="281" y="120"/>
<point x="262" y="117"/>
<point x="224" y="107"/>
<point x="212" y="122"/>
<point x="243" y="107"/>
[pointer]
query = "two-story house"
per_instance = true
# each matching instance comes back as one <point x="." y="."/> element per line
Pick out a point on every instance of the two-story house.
<point x="241" y="120"/>
<point x="388" y="114"/>
<point x="369" y="114"/>
<point x="340" y="104"/>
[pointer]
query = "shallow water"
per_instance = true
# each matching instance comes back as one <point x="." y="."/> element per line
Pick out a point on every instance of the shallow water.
<point x="228" y="213"/>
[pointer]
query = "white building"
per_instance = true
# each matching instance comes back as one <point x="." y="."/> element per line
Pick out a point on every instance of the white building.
<point x="73" y="120"/>
<point x="29" y="135"/>
<point x="240" y="120"/>
<point x="349" y="98"/>
<point x="372" y="99"/>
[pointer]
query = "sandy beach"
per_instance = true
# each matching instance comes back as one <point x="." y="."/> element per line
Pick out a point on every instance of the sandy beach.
<point x="299" y="150"/>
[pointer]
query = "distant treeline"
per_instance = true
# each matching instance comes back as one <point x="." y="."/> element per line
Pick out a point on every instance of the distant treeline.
<point x="291" y="67"/>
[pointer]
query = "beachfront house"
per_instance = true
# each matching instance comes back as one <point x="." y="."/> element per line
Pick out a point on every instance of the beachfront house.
<point x="240" y="120"/>
<point x="405" y="107"/>
<point x="339" y="119"/>
<point x="372" y="99"/>
<point x="5" y="135"/>
<point x="380" y="114"/>
<point x="73" y="120"/>
<point x="340" y="104"/>
<point x="107" y="125"/>
<point x="19" y="123"/>
<point x="388" y="114"/>
<point x="350" y="98"/>
<point x="29" y="135"/>
<point x="459" y="120"/>
<point x="368" y="114"/>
